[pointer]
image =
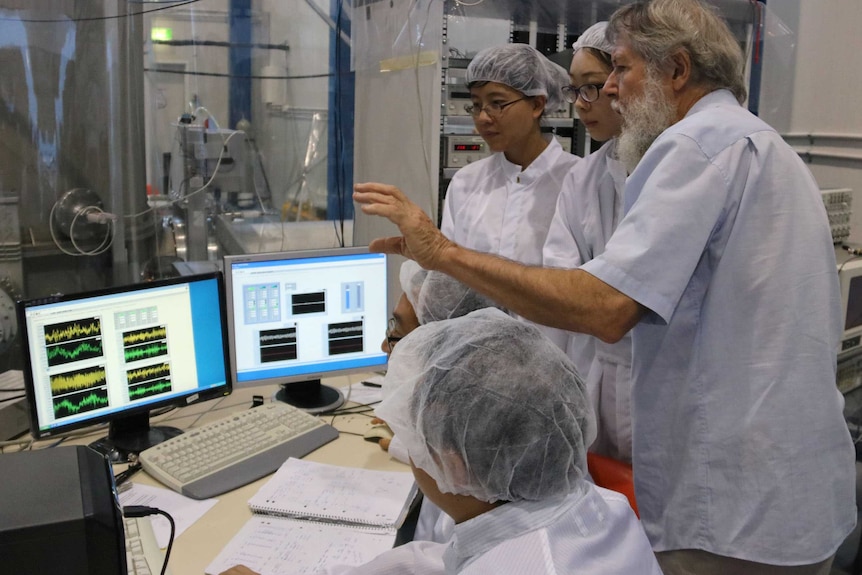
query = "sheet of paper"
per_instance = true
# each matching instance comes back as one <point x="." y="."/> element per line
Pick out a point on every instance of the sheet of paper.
<point x="279" y="546"/>
<point x="364" y="394"/>
<point x="184" y="510"/>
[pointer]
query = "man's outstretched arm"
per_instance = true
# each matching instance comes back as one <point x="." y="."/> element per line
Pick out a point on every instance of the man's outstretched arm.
<point x="569" y="299"/>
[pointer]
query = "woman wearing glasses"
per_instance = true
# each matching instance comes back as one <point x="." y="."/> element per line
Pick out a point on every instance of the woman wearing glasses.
<point x="593" y="192"/>
<point x="503" y="204"/>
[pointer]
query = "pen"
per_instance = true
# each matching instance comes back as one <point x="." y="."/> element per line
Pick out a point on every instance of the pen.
<point x="371" y="384"/>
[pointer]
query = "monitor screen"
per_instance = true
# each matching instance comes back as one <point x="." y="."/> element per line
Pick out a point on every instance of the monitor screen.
<point x="116" y="354"/>
<point x="295" y="317"/>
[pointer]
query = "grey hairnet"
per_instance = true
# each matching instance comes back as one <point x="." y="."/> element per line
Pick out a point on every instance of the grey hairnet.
<point x="489" y="407"/>
<point x="594" y="37"/>
<point x="436" y="296"/>
<point x="522" y="68"/>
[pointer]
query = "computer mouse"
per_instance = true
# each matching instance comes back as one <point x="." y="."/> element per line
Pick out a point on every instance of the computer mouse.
<point x="378" y="432"/>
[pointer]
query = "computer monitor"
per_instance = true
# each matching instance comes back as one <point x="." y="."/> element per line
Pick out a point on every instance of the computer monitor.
<point x="296" y="317"/>
<point x="850" y="280"/>
<point x="117" y="354"/>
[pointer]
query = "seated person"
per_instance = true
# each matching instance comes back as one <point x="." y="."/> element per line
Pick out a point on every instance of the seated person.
<point x="433" y="296"/>
<point x="496" y="422"/>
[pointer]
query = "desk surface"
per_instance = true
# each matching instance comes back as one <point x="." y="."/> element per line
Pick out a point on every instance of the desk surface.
<point x="195" y="548"/>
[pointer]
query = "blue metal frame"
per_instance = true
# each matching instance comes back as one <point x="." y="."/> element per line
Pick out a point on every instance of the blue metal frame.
<point x="342" y="85"/>
<point x="240" y="61"/>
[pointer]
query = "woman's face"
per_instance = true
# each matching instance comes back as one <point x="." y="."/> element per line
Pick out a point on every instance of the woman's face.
<point x="518" y="118"/>
<point x="600" y="120"/>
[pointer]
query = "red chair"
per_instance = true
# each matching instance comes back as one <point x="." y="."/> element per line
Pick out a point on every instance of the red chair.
<point x="614" y="475"/>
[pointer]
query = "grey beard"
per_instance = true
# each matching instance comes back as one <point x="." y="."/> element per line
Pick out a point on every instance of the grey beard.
<point x="643" y="121"/>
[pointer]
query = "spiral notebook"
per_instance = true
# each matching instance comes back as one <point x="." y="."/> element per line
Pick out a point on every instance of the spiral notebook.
<point x="311" y="515"/>
<point x="375" y="500"/>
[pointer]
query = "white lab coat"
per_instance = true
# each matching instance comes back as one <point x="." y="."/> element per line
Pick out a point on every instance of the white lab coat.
<point x="588" y="210"/>
<point x="492" y="206"/>
<point x="740" y="445"/>
<point x="590" y="532"/>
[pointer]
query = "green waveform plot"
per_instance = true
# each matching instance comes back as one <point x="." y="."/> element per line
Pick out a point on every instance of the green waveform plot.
<point x="88" y="402"/>
<point x="84" y="348"/>
<point x="160" y="348"/>
<point x="147" y="390"/>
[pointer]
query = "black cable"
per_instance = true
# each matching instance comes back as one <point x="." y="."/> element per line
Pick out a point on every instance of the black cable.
<point x="98" y="18"/>
<point x="15" y="398"/>
<point x="222" y="44"/>
<point x="143" y="511"/>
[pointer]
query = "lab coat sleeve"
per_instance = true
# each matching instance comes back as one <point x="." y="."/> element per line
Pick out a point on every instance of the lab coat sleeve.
<point x="414" y="558"/>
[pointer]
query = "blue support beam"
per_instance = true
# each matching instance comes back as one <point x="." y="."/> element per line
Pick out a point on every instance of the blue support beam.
<point x="239" y="57"/>
<point x="339" y="169"/>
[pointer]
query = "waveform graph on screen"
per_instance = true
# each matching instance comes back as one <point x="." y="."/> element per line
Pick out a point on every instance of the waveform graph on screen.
<point x="277" y="344"/>
<point x="345" y="337"/>
<point x="78" y="391"/>
<point x="148" y="381"/>
<point x="145" y="343"/>
<point x="73" y="341"/>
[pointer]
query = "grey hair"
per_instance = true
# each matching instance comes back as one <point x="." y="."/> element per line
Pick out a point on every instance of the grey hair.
<point x="656" y="29"/>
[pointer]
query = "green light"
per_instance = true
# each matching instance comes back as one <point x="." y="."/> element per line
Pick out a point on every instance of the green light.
<point x="161" y="34"/>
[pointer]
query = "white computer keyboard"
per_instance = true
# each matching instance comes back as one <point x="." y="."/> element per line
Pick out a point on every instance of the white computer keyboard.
<point x="237" y="449"/>
<point x="143" y="556"/>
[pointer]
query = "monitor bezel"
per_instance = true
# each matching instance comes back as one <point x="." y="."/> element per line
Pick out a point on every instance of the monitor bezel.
<point x="191" y="397"/>
<point x="231" y="260"/>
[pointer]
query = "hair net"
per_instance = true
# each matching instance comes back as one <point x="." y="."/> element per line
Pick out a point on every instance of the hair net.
<point x="411" y="276"/>
<point x="522" y="68"/>
<point x="489" y="407"/>
<point x="436" y="296"/>
<point x="594" y="37"/>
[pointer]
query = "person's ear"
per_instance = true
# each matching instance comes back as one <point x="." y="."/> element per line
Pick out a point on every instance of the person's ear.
<point x="458" y="469"/>
<point x="680" y="69"/>
<point x="539" y="103"/>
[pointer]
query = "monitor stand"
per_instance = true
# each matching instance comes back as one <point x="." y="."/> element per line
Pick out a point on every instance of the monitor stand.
<point x="129" y="436"/>
<point x="311" y="396"/>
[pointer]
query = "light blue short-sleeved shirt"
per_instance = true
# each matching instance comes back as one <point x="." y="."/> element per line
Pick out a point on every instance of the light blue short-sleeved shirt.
<point x="740" y="447"/>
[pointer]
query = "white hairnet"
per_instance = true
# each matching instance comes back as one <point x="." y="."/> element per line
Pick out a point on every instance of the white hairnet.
<point x="436" y="296"/>
<point x="489" y="407"/>
<point x="594" y="37"/>
<point x="522" y="68"/>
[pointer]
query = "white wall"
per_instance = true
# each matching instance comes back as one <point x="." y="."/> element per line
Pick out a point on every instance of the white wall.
<point x="812" y="88"/>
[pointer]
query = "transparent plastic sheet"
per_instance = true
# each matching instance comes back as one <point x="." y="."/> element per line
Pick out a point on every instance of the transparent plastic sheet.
<point x="201" y="59"/>
<point x="403" y="35"/>
<point x="67" y="117"/>
<point x="779" y="58"/>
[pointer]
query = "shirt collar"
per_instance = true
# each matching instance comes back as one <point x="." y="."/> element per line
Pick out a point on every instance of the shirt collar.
<point x="476" y="536"/>
<point x="539" y="167"/>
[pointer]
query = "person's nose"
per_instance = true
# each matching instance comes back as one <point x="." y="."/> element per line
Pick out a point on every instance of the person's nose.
<point x="611" y="87"/>
<point x="581" y="104"/>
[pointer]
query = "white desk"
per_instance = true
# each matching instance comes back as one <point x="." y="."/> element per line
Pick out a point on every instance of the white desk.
<point x="195" y="548"/>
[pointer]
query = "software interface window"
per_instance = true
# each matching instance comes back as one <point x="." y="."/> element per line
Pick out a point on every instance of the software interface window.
<point x="105" y="354"/>
<point x="298" y="313"/>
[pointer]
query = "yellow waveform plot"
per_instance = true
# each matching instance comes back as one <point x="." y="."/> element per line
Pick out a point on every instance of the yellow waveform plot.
<point x="144" y="335"/>
<point x="77" y="380"/>
<point x="72" y="331"/>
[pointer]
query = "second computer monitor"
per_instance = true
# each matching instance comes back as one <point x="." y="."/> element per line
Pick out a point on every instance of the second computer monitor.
<point x="296" y="317"/>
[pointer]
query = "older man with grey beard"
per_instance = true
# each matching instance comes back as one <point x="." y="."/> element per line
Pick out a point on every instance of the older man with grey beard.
<point x="723" y="268"/>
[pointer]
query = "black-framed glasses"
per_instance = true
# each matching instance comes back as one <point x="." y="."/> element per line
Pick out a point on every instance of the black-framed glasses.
<point x="391" y="340"/>
<point x="588" y="92"/>
<point x="493" y="109"/>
